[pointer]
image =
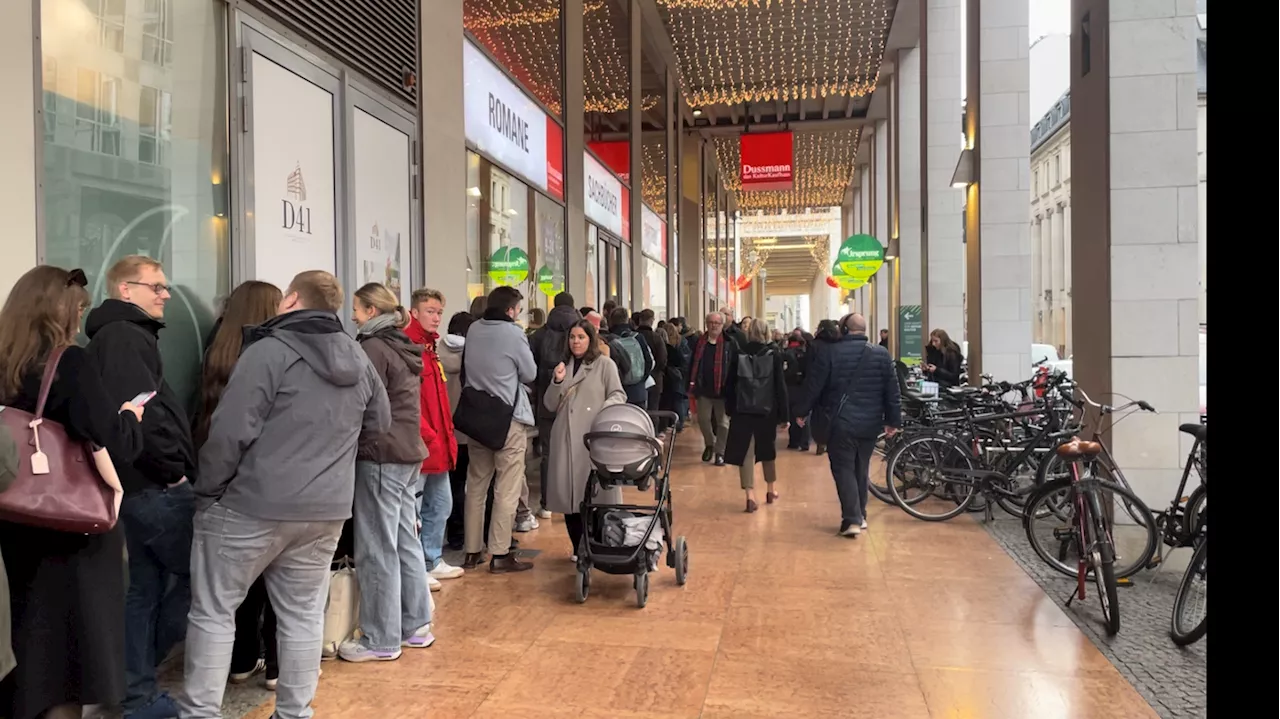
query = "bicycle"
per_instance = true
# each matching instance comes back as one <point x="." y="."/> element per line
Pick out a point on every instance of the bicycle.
<point x="1186" y="630"/>
<point x="1182" y="524"/>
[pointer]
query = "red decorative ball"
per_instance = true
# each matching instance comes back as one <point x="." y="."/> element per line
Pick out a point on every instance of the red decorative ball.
<point x="742" y="283"/>
<point x="831" y="281"/>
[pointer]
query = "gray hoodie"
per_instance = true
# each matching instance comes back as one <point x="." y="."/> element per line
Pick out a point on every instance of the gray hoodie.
<point x="282" y="443"/>
<point x="499" y="361"/>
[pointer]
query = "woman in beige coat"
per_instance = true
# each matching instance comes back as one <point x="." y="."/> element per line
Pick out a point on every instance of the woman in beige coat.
<point x="583" y="384"/>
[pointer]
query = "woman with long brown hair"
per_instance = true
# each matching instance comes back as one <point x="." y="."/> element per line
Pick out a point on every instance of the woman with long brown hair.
<point x="250" y="304"/>
<point x="66" y="591"/>
<point x="943" y="359"/>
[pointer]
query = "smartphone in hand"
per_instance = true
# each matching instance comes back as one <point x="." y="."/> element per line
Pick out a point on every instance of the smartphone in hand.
<point x="142" y="399"/>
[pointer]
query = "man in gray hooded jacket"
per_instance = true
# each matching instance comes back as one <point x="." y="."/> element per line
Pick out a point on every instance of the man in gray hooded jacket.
<point x="276" y="484"/>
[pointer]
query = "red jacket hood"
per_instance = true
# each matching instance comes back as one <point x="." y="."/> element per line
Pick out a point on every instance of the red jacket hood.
<point x="437" y="415"/>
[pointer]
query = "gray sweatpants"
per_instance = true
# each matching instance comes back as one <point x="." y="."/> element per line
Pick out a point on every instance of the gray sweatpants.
<point x="230" y="550"/>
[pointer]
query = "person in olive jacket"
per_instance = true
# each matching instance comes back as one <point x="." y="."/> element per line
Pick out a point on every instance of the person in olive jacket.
<point x="395" y="609"/>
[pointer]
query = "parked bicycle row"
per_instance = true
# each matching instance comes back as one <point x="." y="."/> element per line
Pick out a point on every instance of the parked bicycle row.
<point x="1038" y="450"/>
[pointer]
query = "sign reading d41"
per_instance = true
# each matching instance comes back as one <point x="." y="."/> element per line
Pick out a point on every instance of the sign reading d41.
<point x="860" y="257"/>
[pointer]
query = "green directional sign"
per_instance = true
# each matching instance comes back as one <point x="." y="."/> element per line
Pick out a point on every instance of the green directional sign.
<point x="910" y="334"/>
<point x="860" y="257"/>
<point x="548" y="283"/>
<point x="509" y="266"/>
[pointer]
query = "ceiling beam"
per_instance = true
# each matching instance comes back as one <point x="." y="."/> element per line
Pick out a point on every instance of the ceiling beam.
<point x="812" y="125"/>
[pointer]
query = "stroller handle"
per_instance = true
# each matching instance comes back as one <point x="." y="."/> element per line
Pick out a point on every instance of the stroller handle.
<point x="664" y="414"/>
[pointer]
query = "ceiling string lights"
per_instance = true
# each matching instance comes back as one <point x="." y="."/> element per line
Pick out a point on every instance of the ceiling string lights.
<point x="653" y="173"/>
<point x="823" y="168"/>
<point x="737" y="51"/>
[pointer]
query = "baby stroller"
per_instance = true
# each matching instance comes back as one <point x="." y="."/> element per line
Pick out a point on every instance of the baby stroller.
<point x="626" y="538"/>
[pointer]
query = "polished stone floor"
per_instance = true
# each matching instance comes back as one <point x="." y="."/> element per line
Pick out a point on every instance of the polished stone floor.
<point x="780" y="618"/>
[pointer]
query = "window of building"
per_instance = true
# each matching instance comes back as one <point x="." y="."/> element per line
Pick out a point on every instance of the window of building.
<point x="109" y="23"/>
<point x="1057" y="169"/>
<point x="157" y="32"/>
<point x="92" y="218"/>
<point x="1035" y="186"/>
<point x="155" y="121"/>
<point x="97" y="112"/>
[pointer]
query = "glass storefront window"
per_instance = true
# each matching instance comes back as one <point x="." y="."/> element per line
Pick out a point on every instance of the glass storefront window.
<point x="135" y="154"/>
<point x="475" y="272"/>
<point x="593" y="270"/>
<point x="610" y="271"/>
<point x="654" y="293"/>
<point x="631" y="299"/>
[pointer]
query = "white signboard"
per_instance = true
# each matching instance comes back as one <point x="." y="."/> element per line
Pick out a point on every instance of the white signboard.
<point x="501" y="121"/>
<point x="603" y="196"/>
<point x="384" y="210"/>
<point x="652" y="231"/>
<point x="293" y="178"/>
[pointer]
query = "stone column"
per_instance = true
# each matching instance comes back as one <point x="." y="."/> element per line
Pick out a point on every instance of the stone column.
<point x="999" y="243"/>
<point x="18" y="118"/>
<point x="940" y="44"/>
<point x="911" y="275"/>
<point x="882" y="202"/>
<point x="636" y="122"/>
<point x="443" y="125"/>
<point x="574" y="144"/>
<point x="1134" y="244"/>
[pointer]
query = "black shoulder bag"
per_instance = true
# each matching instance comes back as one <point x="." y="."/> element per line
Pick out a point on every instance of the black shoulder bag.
<point x="481" y="416"/>
<point x="823" y="418"/>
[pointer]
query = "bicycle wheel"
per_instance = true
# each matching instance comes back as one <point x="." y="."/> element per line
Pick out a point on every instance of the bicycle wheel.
<point x="1190" y="615"/>
<point x="1055" y="467"/>
<point x="918" y="482"/>
<point x="1051" y="527"/>
<point x="1196" y="515"/>
<point x="1102" y="558"/>
<point x="884" y="446"/>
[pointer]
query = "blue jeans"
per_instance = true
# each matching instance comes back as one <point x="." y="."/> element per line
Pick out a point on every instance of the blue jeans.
<point x="437" y="503"/>
<point x="389" y="563"/>
<point x="157" y="530"/>
<point x="850" y="459"/>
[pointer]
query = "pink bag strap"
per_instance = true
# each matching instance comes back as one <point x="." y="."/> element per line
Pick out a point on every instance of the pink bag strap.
<point x="50" y="369"/>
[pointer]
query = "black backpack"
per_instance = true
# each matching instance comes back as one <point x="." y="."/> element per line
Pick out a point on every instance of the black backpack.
<point x="754" y="393"/>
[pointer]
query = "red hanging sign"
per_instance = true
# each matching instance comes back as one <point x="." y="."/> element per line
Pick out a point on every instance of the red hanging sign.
<point x="555" y="159"/>
<point x="766" y="160"/>
<point x="616" y="156"/>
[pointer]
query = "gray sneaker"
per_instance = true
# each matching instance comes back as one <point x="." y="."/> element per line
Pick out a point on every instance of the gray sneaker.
<point x="527" y="524"/>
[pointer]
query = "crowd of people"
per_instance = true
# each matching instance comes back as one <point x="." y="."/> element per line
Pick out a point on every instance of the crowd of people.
<point x="308" y="445"/>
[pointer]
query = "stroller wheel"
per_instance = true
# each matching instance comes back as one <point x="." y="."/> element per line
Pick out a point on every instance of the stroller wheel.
<point x="582" y="586"/>
<point x="680" y="552"/>
<point x="642" y="589"/>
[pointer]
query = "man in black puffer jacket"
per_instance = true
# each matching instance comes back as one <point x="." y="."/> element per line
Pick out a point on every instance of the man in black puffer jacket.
<point x="853" y="382"/>
<point x="549" y="346"/>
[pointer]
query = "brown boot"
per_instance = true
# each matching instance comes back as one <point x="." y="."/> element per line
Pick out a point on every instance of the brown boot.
<point x="473" y="560"/>
<point x="506" y="563"/>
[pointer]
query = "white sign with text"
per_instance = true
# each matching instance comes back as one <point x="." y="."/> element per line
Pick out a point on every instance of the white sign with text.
<point x="501" y="121"/>
<point x="603" y="196"/>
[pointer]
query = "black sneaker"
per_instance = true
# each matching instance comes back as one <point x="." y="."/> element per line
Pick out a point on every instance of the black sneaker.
<point x="719" y="460"/>
<point x="706" y="454"/>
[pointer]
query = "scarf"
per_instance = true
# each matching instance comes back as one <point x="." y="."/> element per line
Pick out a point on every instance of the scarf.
<point x="717" y="372"/>
<point x="380" y="322"/>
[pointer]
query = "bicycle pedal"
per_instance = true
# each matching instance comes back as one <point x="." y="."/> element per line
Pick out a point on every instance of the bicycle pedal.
<point x="1124" y="582"/>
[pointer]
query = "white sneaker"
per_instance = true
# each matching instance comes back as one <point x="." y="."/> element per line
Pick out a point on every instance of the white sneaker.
<point x="526" y="525"/>
<point x="433" y="584"/>
<point x="864" y="525"/>
<point x="544" y="514"/>
<point x="444" y="570"/>
<point x="850" y="531"/>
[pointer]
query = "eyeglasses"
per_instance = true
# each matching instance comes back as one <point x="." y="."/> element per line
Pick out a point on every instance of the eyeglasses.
<point x="77" y="277"/>
<point x="157" y="287"/>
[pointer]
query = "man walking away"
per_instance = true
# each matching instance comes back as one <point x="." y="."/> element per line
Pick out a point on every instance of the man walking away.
<point x="854" y="383"/>
<point x="498" y="361"/>
<point x="884" y="339"/>
<point x="158" y="503"/>
<point x="658" y="350"/>
<point x="639" y="358"/>
<point x="277" y="482"/>
<point x="710" y="378"/>
<point x="548" y="344"/>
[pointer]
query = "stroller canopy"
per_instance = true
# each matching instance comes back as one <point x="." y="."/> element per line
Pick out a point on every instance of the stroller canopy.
<point x="622" y="453"/>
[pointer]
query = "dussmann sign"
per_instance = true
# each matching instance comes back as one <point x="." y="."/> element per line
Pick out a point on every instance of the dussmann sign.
<point x="508" y="127"/>
<point x="766" y="161"/>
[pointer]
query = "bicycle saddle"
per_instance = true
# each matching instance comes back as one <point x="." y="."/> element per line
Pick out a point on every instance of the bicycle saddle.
<point x="1195" y="430"/>
<point x="1076" y="448"/>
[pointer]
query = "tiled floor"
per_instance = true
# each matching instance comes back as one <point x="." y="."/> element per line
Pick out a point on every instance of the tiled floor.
<point x="780" y="618"/>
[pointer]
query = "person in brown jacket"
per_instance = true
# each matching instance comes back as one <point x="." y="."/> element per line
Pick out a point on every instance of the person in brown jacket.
<point x="395" y="609"/>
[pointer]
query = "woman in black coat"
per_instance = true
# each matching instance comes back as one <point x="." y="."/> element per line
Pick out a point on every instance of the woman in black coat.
<point x="796" y="357"/>
<point x="753" y="430"/>
<point x="66" y="590"/>
<point x="827" y="335"/>
<point x="942" y="359"/>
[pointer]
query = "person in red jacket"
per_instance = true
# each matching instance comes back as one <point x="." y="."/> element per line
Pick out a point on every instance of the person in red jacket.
<point x="437" y="432"/>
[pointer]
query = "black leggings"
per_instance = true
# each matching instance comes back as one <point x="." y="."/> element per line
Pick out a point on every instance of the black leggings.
<point x="573" y="523"/>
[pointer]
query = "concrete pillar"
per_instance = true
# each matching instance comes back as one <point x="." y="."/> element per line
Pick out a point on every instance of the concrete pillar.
<point x="443" y="125"/>
<point x="636" y="114"/>
<point x="999" y="240"/>
<point x="880" y="159"/>
<point x="672" y="115"/>
<point x="692" y="271"/>
<point x="1135" y="241"/>
<point x="940" y="45"/>
<point x="18" y="118"/>
<point x="910" y="213"/>
<point x="574" y="144"/>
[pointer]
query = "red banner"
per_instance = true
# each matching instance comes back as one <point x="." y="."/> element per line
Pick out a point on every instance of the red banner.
<point x="616" y="156"/>
<point x="626" y="214"/>
<point x="766" y="160"/>
<point x="555" y="159"/>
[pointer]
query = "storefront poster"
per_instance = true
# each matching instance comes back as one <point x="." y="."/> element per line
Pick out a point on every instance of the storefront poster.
<point x="604" y="197"/>
<point x="505" y="124"/>
<point x="910" y="334"/>
<point x="383" y="205"/>
<point x="653" y="233"/>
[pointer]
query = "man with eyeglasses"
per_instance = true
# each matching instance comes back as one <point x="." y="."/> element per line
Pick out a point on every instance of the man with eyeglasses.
<point x="158" y="502"/>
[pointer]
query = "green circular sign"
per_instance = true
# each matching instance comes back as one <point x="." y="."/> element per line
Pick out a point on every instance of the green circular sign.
<point x="846" y="281"/>
<point x="860" y="257"/>
<point x="548" y="283"/>
<point x="509" y="266"/>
